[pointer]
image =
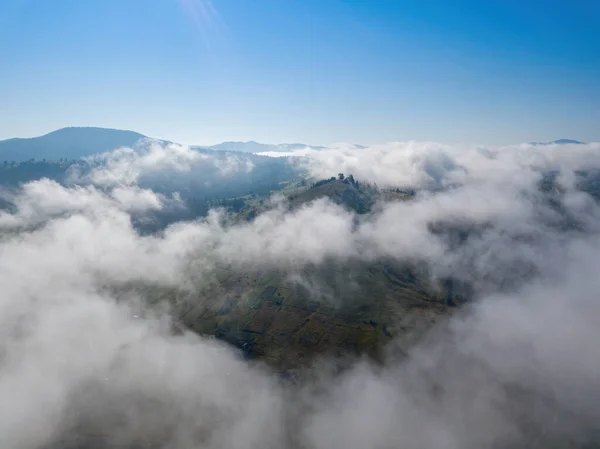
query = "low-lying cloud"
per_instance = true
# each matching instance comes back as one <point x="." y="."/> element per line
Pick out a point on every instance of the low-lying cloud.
<point x="516" y="368"/>
<point x="128" y="166"/>
<point x="432" y="165"/>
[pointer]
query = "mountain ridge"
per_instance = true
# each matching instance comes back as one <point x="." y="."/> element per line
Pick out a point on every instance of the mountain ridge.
<point x="559" y="142"/>
<point x="76" y="142"/>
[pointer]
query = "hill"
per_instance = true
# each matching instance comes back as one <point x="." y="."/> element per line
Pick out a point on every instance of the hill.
<point x="345" y="192"/>
<point x="70" y="143"/>
<point x="275" y="315"/>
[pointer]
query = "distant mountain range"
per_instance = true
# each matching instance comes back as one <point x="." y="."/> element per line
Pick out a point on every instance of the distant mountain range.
<point x="78" y="142"/>
<point x="558" y="142"/>
<point x="255" y="147"/>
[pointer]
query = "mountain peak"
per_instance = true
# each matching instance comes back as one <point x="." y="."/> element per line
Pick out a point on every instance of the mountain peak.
<point x="90" y="129"/>
<point x="566" y="141"/>
<point x="70" y="143"/>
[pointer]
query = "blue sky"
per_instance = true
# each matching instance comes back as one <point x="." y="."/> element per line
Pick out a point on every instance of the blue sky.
<point x="314" y="71"/>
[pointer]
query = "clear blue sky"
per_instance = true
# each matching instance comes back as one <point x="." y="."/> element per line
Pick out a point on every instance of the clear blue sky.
<point x="315" y="71"/>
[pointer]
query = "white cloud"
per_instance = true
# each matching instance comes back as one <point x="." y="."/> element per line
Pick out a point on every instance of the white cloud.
<point x="41" y="200"/>
<point x="518" y="363"/>
<point x="430" y="165"/>
<point x="127" y="165"/>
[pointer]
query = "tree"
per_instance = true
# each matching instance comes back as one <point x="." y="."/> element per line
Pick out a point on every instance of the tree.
<point x="341" y="176"/>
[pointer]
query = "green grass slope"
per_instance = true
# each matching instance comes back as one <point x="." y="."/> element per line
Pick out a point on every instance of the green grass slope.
<point x="289" y="319"/>
<point x="277" y="318"/>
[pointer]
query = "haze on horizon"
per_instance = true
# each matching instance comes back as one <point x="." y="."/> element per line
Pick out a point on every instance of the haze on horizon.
<point x="317" y="72"/>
